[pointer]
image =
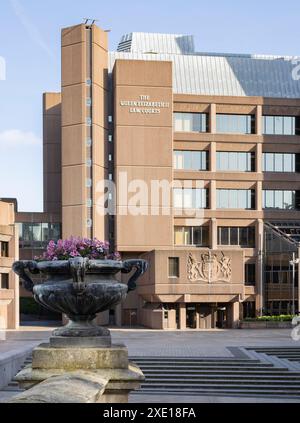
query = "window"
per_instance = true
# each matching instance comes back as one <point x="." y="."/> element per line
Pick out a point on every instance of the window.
<point x="235" y="199"/>
<point x="236" y="124"/>
<point x="191" y="160"/>
<point x="281" y="125"/>
<point x="280" y="162"/>
<point x="173" y="267"/>
<point x="248" y="309"/>
<point x="192" y="235"/>
<point x="37" y="235"/>
<point x="4" y="249"/>
<point x="235" y="161"/>
<point x="242" y="236"/>
<point x="4" y="281"/>
<point x="194" y="198"/>
<point x="281" y="200"/>
<point x="250" y="277"/>
<point x="190" y="122"/>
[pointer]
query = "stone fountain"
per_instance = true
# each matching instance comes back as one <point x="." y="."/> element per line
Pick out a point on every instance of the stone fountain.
<point x="80" y="288"/>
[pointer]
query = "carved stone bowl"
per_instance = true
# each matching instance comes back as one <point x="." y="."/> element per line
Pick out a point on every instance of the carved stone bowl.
<point x="80" y="288"/>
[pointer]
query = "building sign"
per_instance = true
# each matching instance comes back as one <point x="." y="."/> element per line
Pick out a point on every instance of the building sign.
<point x="144" y="105"/>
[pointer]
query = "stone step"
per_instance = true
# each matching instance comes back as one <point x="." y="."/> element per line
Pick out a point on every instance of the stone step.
<point x="245" y="376"/>
<point x="193" y="359"/>
<point x="262" y="367"/>
<point x="283" y="354"/>
<point x="210" y="386"/>
<point x="284" y="349"/>
<point x="218" y="392"/>
<point x="9" y="388"/>
<point x="199" y="381"/>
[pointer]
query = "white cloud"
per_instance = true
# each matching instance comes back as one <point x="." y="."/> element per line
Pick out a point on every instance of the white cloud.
<point x="15" y="137"/>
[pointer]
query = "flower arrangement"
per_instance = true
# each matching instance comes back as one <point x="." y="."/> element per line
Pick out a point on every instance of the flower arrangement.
<point x="78" y="247"/>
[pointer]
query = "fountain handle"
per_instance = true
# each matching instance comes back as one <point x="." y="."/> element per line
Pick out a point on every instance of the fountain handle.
<point x="19" y="268"/>
<point x="140" y="265"/>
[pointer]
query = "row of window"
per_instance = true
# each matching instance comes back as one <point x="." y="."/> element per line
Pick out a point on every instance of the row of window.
<point x="198" y="236"/>
<point x="237" y="124"/>
<point x="37" y="235"/>
<point x="250" y="271"/>
<point x="235" y="161"/>
<point x="244" y="199"/>
<point x="280" y="307"/>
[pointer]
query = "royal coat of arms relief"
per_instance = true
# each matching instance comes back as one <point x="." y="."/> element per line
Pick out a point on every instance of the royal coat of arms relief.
<point x="210" y="268"/>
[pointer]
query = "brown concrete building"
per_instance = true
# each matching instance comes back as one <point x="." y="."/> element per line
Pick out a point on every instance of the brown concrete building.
<point x="9" y="282"/>
<point x="222" y="131"/>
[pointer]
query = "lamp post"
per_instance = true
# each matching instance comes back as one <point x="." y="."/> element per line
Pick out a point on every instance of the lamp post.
<point x="293" y="263"/>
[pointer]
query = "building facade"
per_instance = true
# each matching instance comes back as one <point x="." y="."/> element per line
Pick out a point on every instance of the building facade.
<point x="9" y="282"/>
<point x="200" y="157"/>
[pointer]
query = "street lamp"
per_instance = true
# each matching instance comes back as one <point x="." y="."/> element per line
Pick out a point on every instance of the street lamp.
<point x="293" y="263"/>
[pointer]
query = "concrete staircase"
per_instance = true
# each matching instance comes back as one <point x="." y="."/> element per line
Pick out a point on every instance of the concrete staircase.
<point x="264" y="375"/>
<point x="12" y="388"/>
<point x="283" y="353"/>
<point x="217" y="377"/>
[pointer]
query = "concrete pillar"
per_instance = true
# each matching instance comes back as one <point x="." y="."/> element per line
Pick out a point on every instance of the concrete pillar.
<point x="259" y="195"/>
<point x="213" y="195"/>
<point x="234" y="314"/>
<point x="213" y="118"/>
<point x="213" y="157"/>
<point x="258" y="117"/>
<point x="214" y="234"/>
<point x="197" y="319"/>
<point x="258" y="154"/>
<point x="182" y="316"/>
<point x="259" y="299"/>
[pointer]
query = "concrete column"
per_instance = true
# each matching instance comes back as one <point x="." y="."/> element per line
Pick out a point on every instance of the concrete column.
<point x="259" y="195"/>
<point x="213" y="118"/>
<point x="258" y="154"/>
<point x="182" y="316"/>
<point x="213" y="234"/>
<point x="234" y="314"/>
<point x="259" y="299"/>
<point x="213" y="157"/>
<point x="197" y="320"/>
<point x="213" y="195"/>
<point x="258" y="117"/>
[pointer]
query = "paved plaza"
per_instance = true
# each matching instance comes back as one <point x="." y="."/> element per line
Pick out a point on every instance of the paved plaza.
<point x="141" y="343"/>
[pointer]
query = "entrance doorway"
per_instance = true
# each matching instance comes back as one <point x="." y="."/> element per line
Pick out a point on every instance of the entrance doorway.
<point x="222" y="317"/>
<point x="191" y="316"/>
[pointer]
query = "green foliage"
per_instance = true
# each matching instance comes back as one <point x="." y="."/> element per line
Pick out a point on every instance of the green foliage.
<point x="280" y="318"/>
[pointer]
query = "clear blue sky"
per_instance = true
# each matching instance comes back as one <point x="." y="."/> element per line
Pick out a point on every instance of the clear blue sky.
<point x="30" y="45"/>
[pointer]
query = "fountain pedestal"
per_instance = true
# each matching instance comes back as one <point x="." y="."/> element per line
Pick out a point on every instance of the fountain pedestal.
<point x="106" y="363"/>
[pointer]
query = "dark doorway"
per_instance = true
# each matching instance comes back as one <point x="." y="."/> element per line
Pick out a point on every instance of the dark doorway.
<point x="222" y="321"/>
<point x="191" y="316"/>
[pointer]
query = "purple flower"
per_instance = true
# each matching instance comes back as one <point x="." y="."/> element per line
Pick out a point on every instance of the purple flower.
<point x="78" y="247"/>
